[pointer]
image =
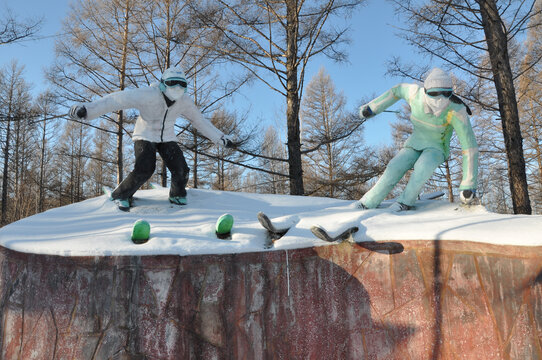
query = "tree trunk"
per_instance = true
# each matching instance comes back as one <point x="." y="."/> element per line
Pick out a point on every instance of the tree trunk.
<point x="195" y="132"/>
<point x="5" y="174"/>
<point x="17" y="169"/>
<point x="122" y="76"/>
<point x="166" y="66"/>
<point x="498" y="52"/>
<point x="80" y="172"/>
<point x="41" y="195"/>
<point x="120" y="141"/>
<point x="331" y="169"/>
<point x="449" y="181"/>
<point x="292" y="102"/>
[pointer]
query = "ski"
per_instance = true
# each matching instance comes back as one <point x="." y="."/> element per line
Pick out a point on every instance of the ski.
<point x="123" y="205"/>
<point x="272" y="232"/>
<point x="322" y="234"/>
<point x="468" y="207"/>
<point x="347" y="235"/>
<point x="432" y="196"/>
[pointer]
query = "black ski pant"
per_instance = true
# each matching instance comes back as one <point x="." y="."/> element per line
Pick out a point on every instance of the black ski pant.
<point x="145" y="163"/>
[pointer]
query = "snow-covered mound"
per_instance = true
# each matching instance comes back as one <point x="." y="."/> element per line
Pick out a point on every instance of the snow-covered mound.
<point x="96" y="227"/>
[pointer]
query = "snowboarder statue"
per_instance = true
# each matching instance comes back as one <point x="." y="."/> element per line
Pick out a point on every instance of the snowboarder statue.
<point x="159" y="107"/>
<point x="435" y="112"/>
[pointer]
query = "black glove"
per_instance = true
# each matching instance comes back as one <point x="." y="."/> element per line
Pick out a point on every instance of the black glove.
<point x="365" y="112"/>
<point x="227" y="142"/>
<point x="467" y="196"/>
<point x="78" y="112"/>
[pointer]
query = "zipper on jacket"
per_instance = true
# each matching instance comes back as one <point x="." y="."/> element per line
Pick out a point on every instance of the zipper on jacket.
<point x="163" y="126"/>
<point x="169" y="103"/>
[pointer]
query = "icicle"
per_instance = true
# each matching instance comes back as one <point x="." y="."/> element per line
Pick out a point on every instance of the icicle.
<point x="288" y="272"/>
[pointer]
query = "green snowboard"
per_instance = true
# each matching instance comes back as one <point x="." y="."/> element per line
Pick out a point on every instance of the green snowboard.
<point x="141" y="232"/>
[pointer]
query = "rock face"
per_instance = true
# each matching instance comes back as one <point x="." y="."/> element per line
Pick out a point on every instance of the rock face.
<point x="425" y="300"/>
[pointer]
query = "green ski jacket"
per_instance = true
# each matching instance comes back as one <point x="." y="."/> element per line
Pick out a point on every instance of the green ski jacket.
<point x="430" y="131"/>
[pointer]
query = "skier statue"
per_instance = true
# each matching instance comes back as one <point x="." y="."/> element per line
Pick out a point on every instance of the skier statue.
<point x="159" y="107"/>
<point x="435" y="113"/>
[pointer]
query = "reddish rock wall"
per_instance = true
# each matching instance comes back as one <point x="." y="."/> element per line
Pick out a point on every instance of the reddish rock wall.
<point x="446" y="300"/>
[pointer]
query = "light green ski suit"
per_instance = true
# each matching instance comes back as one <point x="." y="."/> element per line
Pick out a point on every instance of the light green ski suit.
<point x="426" y="148"/>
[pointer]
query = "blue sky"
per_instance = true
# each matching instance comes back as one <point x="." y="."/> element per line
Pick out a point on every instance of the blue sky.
<point x="374" y="42"/>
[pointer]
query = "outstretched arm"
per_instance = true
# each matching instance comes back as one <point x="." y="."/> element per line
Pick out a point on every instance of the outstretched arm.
<point x="119" y="100"/>
<point x="462" y="126"/>
<point x="204" y="126"/>
<point x="387" y="99"/>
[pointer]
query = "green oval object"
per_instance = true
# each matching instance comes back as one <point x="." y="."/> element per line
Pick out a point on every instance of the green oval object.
<point x="224" y="224"/>
<point x="141" y="231"/>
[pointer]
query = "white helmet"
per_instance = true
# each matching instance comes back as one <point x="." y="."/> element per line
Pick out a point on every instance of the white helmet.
<point x="173" y="83"/>
<point x="438" y="90"/>
<point x="437" y="78"/>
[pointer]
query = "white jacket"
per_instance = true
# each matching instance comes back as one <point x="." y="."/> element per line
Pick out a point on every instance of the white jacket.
<point x="156" y="122"/>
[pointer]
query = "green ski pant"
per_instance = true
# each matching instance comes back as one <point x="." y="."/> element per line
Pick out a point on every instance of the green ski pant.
<point x="424" y="162"/>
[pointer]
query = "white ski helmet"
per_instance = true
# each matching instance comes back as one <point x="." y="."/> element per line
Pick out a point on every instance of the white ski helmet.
<point x="438" y="82"/>
<point x="437" y="78"/>
<point x="173" y="83"/>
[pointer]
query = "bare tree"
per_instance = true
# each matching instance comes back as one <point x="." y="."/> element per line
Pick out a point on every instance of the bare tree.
<point x="277" y="39"/>
<point x="324" y="117"/>
<point x="209" y="90"/>
<point x="461" y="33"/>
<point x="102" y="165"/>
<point x="530" y="107"/>
<point x="94" y="58"/>
<point x="168" y="36"/>
<point x="74" y="155"/>
<point x="47" y="128"/>
<point x="160" y="23"/>
<point x="14" y="107"/>
<point x="274" y="180"/>
<point x="226" y="174"/>
<point x="497" y="46"/>
<point x="13" y="30"/>
<point x="22" y="163"/>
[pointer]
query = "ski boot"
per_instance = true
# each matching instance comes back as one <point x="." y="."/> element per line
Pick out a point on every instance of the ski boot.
<point x="399" y="207"/>
<point x="177" y="200"/>
<point x="123" y="204"/>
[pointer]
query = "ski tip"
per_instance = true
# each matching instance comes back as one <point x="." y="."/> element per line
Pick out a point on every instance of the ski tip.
<point x="106" y="190"/>
<point x="320" y="233"/>
<point x="224" y="224"/>
<point x="348" y="234"/>
<point x="141" y="231"/>
<point x="262" y="218"/>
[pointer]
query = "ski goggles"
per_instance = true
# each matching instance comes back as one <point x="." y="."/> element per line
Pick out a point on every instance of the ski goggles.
<point x="175" y="82"/>
<point x="436" y="92"/>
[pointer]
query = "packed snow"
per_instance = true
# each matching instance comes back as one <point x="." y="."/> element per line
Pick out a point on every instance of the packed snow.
<point x="96" y="227"/>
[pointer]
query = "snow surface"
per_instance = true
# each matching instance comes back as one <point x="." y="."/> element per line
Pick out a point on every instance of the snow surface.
<point x="95" y="227"/>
